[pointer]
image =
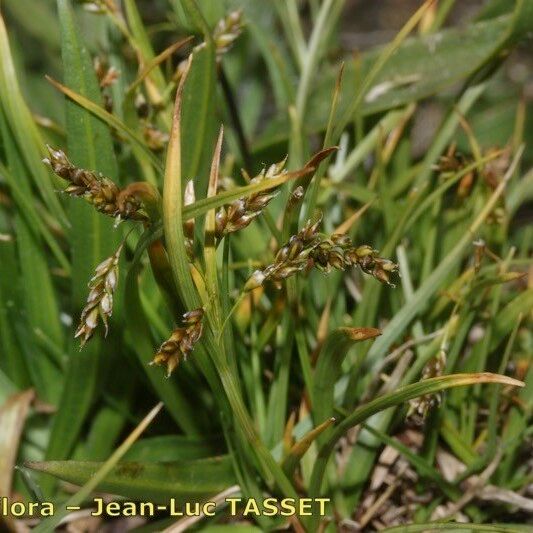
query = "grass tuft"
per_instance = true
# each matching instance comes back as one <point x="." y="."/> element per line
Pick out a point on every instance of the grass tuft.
<point x="338" y="286"/>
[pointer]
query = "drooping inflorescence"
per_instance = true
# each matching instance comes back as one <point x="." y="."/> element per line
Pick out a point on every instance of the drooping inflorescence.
<point x="100" y="300"/>
<point x="181" y="342"/>
<point x="95" y="188"/>
<point x="339" y="252"/>
<point x="308" y="249"/>
<point x="294" y="257"/>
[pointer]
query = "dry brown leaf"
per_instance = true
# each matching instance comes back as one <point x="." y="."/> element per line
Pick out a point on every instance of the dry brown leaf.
<point x="12" y="419"/>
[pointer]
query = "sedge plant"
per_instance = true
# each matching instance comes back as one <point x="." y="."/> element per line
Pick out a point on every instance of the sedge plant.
<point x="220" y="211"/>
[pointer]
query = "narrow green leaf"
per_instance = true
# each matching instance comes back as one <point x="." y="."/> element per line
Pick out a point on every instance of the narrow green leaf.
<point x="507" y="317"/>
<point x="329" y="367"/>
<point x="111" y="120"/>
<point x="175" y="401"/>
<point x="39" y="24"/>
<point x="419" y="299"/>
<point x="42" y="312"/>
<point x="39" y="310"/>
<point x="173" y="205"/>
<point x="199" y="118"/>
<point x="92" y="235"/>
<point x="142" y="40"/>
<point x="7" y="387"/>
<point x="190" y="481"/>
<point x="198" y="114"/>
<point x="25" y="132"/>
<point x="315" y="49"/>
<point x="398" y="397"/>
<point x="169" y="448"/>
<point x="13" y="366"/>
<point x="193" y="12"/>
<point x="22" y="197"/>
<point x="210" y="251"/>
<point x="98" y="474"/>
<point x="421" y="66"/>
<point x="106" y="426"/>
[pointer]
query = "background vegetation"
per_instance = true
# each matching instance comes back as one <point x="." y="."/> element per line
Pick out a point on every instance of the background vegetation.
<point x="313" y="376"/>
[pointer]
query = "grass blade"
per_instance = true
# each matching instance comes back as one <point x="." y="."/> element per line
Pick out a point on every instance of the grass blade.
<point x="329" y="367"/>
<point x="98" y="476"/>
<point x="187" y="481"/>
<point x="92" y="235"/>
<point x="434" y="281"/>
<point x="404" y="394"/>
<point x="111" y="120"/>
<point x="24" y="130"/>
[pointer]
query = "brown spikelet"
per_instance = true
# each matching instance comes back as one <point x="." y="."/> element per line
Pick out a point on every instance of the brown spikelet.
<point x="94" y="6"/>
<point x="155" y="139"/>
<point x="240" y="213"/>
<point x="295" y="198"/>
<point x="181" y="342"/>
<point x="107" y="75"/>
<point x="100" y="300"/>
<point x="310" y="249"/>
<point x="95" y="188"/>
<point x="227" y="31"/>
<point x="294" y="257"/>
<point x="452" y="161"/>
<point x="339" y="252"/>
